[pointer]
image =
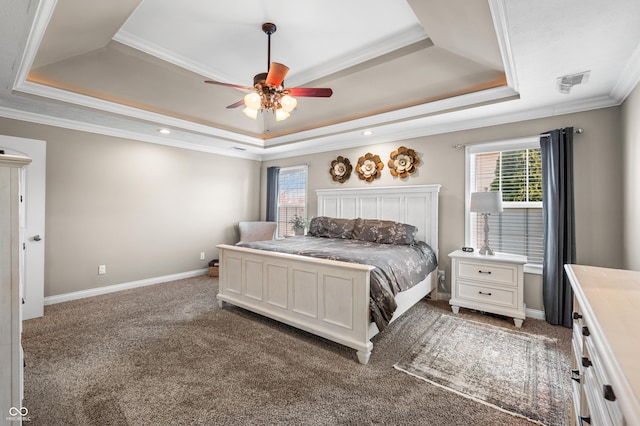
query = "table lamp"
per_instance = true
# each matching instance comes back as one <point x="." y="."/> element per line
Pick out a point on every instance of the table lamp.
<point x="486" y="202"/>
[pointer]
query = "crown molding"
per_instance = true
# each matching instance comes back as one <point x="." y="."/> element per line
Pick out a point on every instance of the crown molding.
<point x="429" y="125"/>
<point x="171" y="57"/>
<point x="373" y="50"/>
<point x="499" y="15"/>
<point x="434" y="125"/>
<point x="629" y="78"/>
<point x="402" y="116"/>
<point x="127" y="111"/>
<point x="65" y="123"/>
<point x="42" y="17"/>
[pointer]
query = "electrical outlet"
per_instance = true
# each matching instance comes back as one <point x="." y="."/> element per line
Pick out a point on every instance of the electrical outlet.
<point x="201" y="255"/>
<point x="102" y="269"/>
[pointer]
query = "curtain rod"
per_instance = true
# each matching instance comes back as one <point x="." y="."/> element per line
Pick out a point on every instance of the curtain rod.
<point x="578" y="131"/>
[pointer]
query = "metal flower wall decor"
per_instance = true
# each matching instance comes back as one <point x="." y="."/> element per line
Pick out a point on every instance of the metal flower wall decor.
<point x="369" y="167"/>
<point x="403" y="162"/>
<point x="340" y="169"/>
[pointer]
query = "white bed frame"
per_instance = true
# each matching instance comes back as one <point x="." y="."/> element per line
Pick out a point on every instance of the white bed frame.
<point x="325" y="297"/>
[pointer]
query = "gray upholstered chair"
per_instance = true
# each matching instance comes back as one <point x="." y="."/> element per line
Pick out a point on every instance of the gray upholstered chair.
<point x="256" y="231"/>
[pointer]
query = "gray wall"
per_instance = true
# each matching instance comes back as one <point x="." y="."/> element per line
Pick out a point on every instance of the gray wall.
<point x="598" y="182"/>
<point x="631" y="206"/>
<point x="148" y="210"/>
<point x="143" y="210"/>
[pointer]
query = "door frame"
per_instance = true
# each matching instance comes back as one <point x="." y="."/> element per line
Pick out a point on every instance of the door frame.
<point x="33" y="180"/>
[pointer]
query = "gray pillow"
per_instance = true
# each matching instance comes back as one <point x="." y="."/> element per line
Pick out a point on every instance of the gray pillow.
<point x="384" y="231"/>
<point x="330" y="227"/>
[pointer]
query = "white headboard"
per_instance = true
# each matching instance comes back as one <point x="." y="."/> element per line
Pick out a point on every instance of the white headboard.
<point x="416" y="205"/>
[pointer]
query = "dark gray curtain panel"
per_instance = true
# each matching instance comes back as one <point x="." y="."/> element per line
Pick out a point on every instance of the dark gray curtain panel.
<point x="559" y="224"/>
<point x="272" y="193"/>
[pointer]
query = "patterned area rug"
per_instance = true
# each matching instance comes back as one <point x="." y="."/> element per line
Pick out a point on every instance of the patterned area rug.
<point x="513" y="371"/>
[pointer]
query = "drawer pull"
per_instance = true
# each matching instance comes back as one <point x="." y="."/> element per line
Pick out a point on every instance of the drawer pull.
<point x="575" y="373"/>
<point x="585" y="419"/>
<point x="486" y="294"/>
<point x="585" y="331"/>
<point x="576" y="316"/>
<point x="484" y="272"/>
<point x="607" y="392"/>
<point x="586" y="362"/>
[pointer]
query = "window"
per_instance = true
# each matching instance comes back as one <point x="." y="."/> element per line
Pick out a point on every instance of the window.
<point x="515" y="168"/>
<point x="292" y="197"/>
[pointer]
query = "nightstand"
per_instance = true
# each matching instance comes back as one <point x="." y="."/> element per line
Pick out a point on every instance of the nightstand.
<point x="488" y="283"/>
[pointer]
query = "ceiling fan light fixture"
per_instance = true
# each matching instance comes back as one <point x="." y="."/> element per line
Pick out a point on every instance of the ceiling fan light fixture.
<point x="288" y="103"/>
<point x="282" y="114"/>
<point x="251" y="113"/>
<point x="268" y="91"/>
<point x="253" y="101"/>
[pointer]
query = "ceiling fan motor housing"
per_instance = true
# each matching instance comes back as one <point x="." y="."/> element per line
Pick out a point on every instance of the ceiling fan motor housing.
<point x="268" y="28"/>
<point x="259" y="79"/>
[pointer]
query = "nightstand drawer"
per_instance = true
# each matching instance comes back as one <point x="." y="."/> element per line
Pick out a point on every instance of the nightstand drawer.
<point x="487" y="295"/>
<point x="496" y="273"/>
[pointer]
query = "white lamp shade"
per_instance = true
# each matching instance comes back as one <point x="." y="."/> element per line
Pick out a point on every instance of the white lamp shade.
<point x="251" y="113"/>
<point x="486" y="202"/>
<point x="288" y="103"/>
<point x="252" y="100"/>
<point x="281" y="114"/>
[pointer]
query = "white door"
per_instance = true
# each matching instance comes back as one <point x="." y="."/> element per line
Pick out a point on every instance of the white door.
<point x="32" y="228"/>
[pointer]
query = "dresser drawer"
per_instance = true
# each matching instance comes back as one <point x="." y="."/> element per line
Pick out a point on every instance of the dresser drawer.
<point x="605" y="406"/>
<point x="497" y="273"/>
<point x="487" y="295"/>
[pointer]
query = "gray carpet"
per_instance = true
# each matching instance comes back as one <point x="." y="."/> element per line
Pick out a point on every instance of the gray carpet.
<point x="167" y="354"/>
<point x="518" y="372"/>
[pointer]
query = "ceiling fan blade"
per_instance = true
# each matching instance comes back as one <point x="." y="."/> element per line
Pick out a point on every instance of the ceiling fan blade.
<point x="311" y="92"/>
<point x="277" y="73"/>
<point x="235" y="86"/>
<point x="236" y="105"/>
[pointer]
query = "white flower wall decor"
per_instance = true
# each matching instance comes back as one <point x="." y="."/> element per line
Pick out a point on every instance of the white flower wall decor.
<point x="340" y="169"/>
<point x="403" y="162"/>
<point x="369" y="167"/>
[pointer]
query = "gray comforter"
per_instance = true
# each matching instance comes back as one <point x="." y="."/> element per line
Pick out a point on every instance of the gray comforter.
<point x="397" y="267"/>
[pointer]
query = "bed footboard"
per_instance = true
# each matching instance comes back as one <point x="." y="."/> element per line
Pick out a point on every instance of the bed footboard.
<point x="324" y="297"/>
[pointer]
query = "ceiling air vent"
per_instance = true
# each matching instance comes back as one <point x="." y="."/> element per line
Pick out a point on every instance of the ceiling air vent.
<point x="566" y="82"/>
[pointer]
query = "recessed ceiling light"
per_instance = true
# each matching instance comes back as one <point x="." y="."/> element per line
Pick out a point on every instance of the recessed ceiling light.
<point x="164" y="131"/>
<point x="367" y="132"/>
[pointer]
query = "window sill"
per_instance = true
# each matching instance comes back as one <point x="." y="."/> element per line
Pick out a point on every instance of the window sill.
<point x="533" y="268"/>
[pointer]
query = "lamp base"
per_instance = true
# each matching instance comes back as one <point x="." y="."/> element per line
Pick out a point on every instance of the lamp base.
<point x="486" y="250"/>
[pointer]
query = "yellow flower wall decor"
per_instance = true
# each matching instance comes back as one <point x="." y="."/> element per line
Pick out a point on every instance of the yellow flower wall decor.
<point x="340" y="169"/>
<point x="369" y="167"/>
<point x="403" y="162"/>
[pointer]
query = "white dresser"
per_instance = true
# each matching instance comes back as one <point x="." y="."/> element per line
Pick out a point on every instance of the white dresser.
<point x="488" y="283"/>
<point x="606" y="345"/>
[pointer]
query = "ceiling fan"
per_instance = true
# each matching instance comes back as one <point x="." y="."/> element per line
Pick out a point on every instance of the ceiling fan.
<point x="268" y="91"/>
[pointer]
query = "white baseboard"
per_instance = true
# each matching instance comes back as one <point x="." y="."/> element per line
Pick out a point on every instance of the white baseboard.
<point x="535" y="314"/>
<point x="59" y="298"/>
<point x="443" y="296"/>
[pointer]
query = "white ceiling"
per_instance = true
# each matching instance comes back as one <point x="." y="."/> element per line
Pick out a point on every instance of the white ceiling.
<point x="403" y="68"/>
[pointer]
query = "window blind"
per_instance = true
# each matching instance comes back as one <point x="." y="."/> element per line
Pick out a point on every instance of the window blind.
<point x="518" y="174"/>
<point x="292" y="197"/>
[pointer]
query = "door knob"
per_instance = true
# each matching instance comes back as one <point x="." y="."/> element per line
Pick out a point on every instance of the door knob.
<point x="37" y="238"/>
